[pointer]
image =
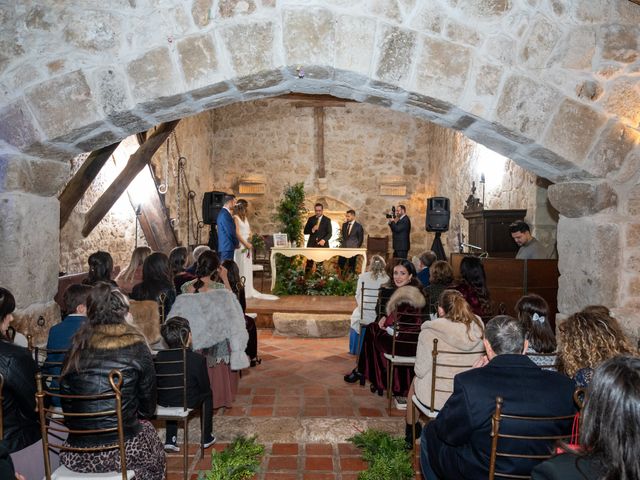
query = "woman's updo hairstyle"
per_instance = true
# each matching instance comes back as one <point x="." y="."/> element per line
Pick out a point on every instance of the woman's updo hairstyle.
<point x="106" y="305"/>
<point x="377" y="266"/>
<point x="207" y="266"/>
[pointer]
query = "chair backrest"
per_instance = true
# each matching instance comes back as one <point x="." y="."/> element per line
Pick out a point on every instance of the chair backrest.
<point x="442" y="382"/>
<point x="52" y="426"/>
<point x="546" y="440"/>
<point x="171" y="372"/>
<point x="49" y="363"/>
<point x="368" y="302"/>
<point x="147" y="317"/>
<point x="378" y="245"/>
<point x="406" y="330"/>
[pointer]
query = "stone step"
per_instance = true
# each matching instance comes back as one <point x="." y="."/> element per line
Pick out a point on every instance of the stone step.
<point x="311" y="325"/>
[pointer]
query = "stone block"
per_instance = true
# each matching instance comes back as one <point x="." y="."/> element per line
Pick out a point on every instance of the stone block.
<point x="429" y="18"/>
<point x="577" y="48"/>
<point x="442" y="69"/>
<point x="17" y="127"/>
<point x="595" y="11"/>
<point x="573" y="129"/>
<point x="488" y="80"/>
<point x="201" y="12"/>
<point x="526" y="106"/>
<point x="311" y="325"/>
<point x="259" y="81"/>
<point x="63" y="104"/>
<point x="355" y="38"/>
<point x="94" y="30"/>
<point x="502" y="48"/>
<point x="620" y="43"/>
<point x="153" y="76"/>
<point x="29" y="257"/>
<point x="98" y="140"/>
<point x="111" y="91"/>
<point x="428" y="103"/>
<point x="461" y="33"/>
<point x="386" y="9"/>
<point x="395" y="47"/>
<point x="197" y="55"/>
<point x="36" y="320"/>
<point x="129" y="122"/>
<point x="632" y="234"/>
<point x="232" y="8"/>
<point x="587" y="247"/>
<point x="589" y="90"/>
<point x="210" y="91"/>
<point x="308" y="36"/>
<point x="581" y="199"/>
<point x="629" y="320"/>
<point x="611" y="150"/>
<point x="40" y="177"/>
<point x="250" y="47"/>
<point x="485" y="8"/>
<point x="623" y="99"/>
<point x="539" y="43"/>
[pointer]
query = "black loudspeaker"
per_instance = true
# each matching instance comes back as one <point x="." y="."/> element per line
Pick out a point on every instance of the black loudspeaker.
<point x="437" y="214"/>
<point x="212" y="203"/>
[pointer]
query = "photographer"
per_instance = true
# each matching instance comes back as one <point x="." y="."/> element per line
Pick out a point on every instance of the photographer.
<point x="401" y="231"/>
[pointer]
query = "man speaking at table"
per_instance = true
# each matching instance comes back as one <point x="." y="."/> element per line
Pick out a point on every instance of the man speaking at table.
<point x="318" y="228"/>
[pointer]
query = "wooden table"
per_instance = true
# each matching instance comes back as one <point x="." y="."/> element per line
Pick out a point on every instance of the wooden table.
<point x="315" y="254"/>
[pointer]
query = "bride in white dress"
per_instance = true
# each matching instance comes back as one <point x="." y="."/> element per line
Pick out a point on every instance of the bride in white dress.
<point x="243" y="256"/>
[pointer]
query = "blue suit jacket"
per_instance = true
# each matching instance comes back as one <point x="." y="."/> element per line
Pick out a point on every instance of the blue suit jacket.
<point x="227" y="239"/>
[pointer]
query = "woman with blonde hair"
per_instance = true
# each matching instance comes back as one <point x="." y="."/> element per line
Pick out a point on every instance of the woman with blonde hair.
<point x="458" y="330"/>
<point x="365" y="311"/>
<point x="133" y="273"/>
<point x="587" y="339"/>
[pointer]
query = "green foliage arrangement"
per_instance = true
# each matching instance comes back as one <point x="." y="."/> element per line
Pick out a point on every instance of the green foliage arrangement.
<point x="292" y="280"/>
<point x="291" y="212"/>
<point x="257" y="242"/>
<point x="239" y="461"/>
<point x="387" y="456"/>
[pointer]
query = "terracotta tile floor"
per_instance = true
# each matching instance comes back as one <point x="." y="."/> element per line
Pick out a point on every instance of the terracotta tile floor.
<point x="299" y="407"/>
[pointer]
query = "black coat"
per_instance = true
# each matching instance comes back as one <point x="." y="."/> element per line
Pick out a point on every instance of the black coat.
<point x="355" y="239"/>
<point x="122" y="347"/>
<point x="20" y="420"/>
<point x="198" y="386"/>
<point x="568" y="467"/>
<point x="459" y="441"/>
<point x="323" y="232"/>
<point x="401" y="233"/>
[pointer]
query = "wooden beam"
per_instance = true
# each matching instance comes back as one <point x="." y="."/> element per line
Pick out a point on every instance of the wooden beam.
<point x="318" y="113"/>
<point x="78" y="185"/>
<point x="637" y="2"/>
<point x="136" y="163"/>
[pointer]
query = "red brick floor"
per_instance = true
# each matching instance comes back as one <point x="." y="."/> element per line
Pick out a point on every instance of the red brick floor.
<point x="298" y="384"/>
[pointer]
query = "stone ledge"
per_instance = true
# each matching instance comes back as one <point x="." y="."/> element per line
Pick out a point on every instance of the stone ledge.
<point x="311" y="325"/>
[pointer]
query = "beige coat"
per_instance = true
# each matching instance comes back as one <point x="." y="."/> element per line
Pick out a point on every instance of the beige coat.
<point x="451" y="337"/>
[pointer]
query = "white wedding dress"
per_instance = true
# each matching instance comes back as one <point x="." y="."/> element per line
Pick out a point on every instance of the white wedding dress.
<point x="245" y="263"/>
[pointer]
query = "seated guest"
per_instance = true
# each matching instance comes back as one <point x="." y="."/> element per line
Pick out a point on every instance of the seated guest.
<point x="237" y="287"/>
<point x="19" y="420"/>
<point x="404" y="273"/>
<point x="199" y="250"/>
<point x="133" y="274"/>
<point x="177" y="260"/>
<point x="425" y="261"/>
<point x="440" y="278"/>
<point x="100" y="269"/>
<point x="457" y="444"/>
<point x="533" y="311"/>
<point x="198" y="387"/>
<point x="588" y="338"/>
<point x="365" y="314"/>
<point x="156" y="282"/>
<point x="473" y="286"/>
<point x="457" y="330"/>
<point x="609" y="428"/>
<point x="103" y="343"/>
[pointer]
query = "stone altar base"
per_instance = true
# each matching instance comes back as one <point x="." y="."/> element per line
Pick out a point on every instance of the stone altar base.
<point x="312" y="325"/>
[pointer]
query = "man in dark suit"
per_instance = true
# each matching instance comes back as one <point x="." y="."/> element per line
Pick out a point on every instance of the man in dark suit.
<point x="352" y="235"/>
<point x="457" y="444"/>
<point x="401" y="232"/>
<point x="318" y="228"/>
<point x="227" y="238"/>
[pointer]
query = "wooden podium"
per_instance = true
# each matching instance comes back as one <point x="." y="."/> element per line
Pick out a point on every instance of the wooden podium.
<point x="489" y="230"/>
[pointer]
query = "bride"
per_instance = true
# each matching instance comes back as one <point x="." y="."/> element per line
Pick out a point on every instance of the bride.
<point x="243" y="256"/>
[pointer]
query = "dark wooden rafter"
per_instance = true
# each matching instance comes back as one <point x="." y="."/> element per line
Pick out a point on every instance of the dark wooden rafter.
<point x="136" y="163"/>
<point x="81" y="181"/>
<point x="319" y="124"/>
<point x="637" y="2"/>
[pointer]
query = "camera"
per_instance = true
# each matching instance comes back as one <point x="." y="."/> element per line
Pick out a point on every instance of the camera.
<point x="392" y="214"/>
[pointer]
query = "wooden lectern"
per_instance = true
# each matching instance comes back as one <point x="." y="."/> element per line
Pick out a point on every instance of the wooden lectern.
<point x="489" y="230"/>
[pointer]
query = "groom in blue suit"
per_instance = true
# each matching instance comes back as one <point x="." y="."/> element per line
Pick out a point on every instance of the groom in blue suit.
<point x="227" y="238"/>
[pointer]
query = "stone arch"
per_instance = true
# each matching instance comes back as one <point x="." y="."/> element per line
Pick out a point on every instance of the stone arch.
<point x="551" y="86"/>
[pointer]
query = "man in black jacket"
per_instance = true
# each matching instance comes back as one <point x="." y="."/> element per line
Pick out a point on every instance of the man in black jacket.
<point x="401" y="232"/>
<point x="318" y="228"/>
<point x="457" y="444"/>
<point x="352" y="237"/>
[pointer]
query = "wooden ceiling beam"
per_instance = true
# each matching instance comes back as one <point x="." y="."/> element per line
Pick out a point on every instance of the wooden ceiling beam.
<point x="81" y="181"/>
<point x="136" y="163"/>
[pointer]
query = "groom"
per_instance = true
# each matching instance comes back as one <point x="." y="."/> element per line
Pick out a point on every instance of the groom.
<point x="227" y="239"/>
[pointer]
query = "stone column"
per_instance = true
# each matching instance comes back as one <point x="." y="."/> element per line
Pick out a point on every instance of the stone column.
<point x="29" y="235"/>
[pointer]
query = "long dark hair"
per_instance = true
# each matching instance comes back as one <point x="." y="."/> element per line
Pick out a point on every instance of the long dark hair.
<point x="100" y="268"/>
<point x="533" y="311"/>
<point x="177" y="260"/>
<point x="7" y="306"/>
<point x="106" y="305"/>
<point x="156" y="275"/>
<point x="233" y="275"/>
<point x="472" y="273"/>
<point x="207" y="266"/>
<point x="610" y="429"/>
<point x="409" y="267"/>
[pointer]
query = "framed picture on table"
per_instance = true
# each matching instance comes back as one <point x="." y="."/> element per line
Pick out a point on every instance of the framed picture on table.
<point x="280" y="240"/>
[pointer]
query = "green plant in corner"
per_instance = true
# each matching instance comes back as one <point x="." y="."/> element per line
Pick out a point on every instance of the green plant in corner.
<point x="387" y="456"/>
<point x="257" y="242"/>
<point x="291" y="212"/>
<point x="239" y="461"/>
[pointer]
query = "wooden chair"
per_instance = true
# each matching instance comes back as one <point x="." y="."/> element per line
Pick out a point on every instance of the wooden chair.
<point x="368" y="302"/>
<point x="550" y="439"/>
<point x="378" y="245"/>
<point x="170" y="380"/>
<point x="49" y="363"/>
<point x="441" y="382"/>
<point x="52" y="427"/>
<point x="410" y="331"/>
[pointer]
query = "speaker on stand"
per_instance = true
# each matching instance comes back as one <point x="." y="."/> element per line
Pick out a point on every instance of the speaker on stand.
<point x="212" y="203"/>
<point x="438" y="215"/>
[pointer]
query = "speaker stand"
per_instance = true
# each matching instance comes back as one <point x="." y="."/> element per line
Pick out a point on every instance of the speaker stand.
<point x="213" y="237"/>
<point x="437" y="248"/>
